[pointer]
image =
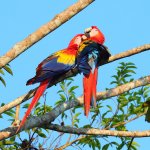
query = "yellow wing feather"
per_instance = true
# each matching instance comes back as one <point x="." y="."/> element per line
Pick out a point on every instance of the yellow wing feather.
<point x="65" y="58"/>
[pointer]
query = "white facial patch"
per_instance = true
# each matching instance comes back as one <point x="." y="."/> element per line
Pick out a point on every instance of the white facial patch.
<point x="88" y="29"/>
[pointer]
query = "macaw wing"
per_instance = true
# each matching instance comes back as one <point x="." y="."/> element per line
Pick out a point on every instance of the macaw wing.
<point x="54" y="65"/>
<point x="88" y="51"/>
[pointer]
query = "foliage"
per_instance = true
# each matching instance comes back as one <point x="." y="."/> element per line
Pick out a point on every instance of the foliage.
<point x="2" y="73"/>
<point x="114" y="113"/>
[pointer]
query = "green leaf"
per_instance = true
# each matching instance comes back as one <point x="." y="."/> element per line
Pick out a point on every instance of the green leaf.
<point x="73" y="88"/>
<point x="69" y="83"/>
<point x="105" y="147"/>
<point x="110" y="108"/>
<point x="63" y="98"/>
<point x="41" y="134"/>
<point x="115" y="76"/>
<point x="133" y="67"/>
<point x="121" y="146"/>
<point x="130" y="63"/>
<point x="60" y="91"/>
<point x="62" y="86"/>
<point x="71" y="79"/>
<point x="7" y="68"/>
<point x="113" y="82"/>
<point x="25" y="105"/>
<point x="130" y="71"/>
<point x="58" y="102"/>
<point x="2" y="72"/>
<point x="77" y="114"/>
<point x="9" y="113"/>
<point x="2" y="80"/>
<point x="114" y="143"/>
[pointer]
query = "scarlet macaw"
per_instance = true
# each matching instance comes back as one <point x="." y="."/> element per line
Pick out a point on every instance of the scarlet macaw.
<point x="91" y="53"/>
<point x="50" y="68"/>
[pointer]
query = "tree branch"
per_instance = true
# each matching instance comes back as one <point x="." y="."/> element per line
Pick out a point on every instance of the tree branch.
<point x="129" y="53"/>
<point x="73" y="72"/>
<point x="57" y="21"/>
<point x="81" y="131"/>
<point x="95" y="131"/>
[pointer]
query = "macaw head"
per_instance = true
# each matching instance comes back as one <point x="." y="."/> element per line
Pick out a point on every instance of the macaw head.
<point x="95" y="34"/>
<point x="76" y="41"/>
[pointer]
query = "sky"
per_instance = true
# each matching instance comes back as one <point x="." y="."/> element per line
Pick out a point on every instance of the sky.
<point x="125" y="25"/>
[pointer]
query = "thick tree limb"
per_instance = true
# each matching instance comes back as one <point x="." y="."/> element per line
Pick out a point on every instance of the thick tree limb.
<point x="57" y="21"/>
<point x="81" y="131"/>
<point x="73" y="72"/>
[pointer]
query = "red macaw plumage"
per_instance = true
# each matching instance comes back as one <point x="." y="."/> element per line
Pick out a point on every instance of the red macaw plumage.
<point x="50" y="69"/>
<point x="91" y="52"/>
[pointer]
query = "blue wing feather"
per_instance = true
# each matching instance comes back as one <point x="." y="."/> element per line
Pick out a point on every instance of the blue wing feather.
<point x="91" y="50"/>
<point x="50" y="68"/>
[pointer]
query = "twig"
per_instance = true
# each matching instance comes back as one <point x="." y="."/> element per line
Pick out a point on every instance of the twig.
<point x="125" y="122"/>
<point x="69" y="143"/>
<point x="130" y="143"/>
<point x="112" y="118"/>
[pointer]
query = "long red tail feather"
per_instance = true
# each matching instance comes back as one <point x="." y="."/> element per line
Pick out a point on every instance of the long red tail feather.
<point x="87" y="85"/>
<point x="94" y="85"/>
<point x="37" y="95"/>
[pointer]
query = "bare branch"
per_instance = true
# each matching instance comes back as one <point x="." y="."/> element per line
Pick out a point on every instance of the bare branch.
<point x="70" y="143"/>
<point x="101" y="95"/>
<point x="17" y="101"/>
<point x="130" y="52"/>
<point x="17" y="121"/>
<point x="57" y="21"/>
<point x="81" y="131"/>
<point x="94" y="131"/>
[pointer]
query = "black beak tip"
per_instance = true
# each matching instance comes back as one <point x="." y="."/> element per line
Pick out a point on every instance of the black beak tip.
<point x="87" y="34"/>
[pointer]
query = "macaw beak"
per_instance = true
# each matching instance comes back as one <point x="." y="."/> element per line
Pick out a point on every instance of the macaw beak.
<point x="87" y="32"/>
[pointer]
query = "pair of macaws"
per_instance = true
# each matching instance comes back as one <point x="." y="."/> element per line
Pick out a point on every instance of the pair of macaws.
<point x="85" y="51"/>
